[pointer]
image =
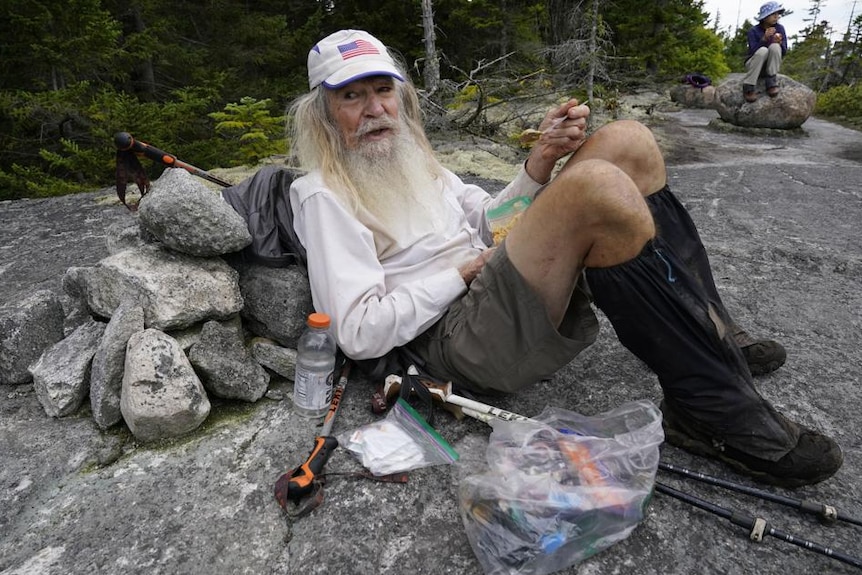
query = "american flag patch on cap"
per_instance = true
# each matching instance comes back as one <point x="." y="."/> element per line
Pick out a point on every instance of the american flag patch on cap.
<point x="357" y="48"/>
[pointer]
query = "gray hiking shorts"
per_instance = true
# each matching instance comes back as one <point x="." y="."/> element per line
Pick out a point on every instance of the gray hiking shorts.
<point x="498" y="336"/>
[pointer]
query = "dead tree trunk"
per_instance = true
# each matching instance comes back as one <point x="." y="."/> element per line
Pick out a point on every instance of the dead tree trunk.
<point x="432" y="62"/>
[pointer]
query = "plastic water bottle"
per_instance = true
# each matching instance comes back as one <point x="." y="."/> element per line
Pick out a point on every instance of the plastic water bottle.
<point x="315" y="364"/>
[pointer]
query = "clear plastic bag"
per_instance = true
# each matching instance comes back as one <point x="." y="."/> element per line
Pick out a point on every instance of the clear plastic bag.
<point x="504" y="216"/>
<point x="561" y="488"/>
<point x="399" y="442"/>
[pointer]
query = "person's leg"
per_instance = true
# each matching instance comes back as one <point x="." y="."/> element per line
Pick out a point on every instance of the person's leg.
<point x="754" y="66"/>
<point x="606" y="222"/>
<point x="661" y="313"/>
<point x="773" y="65"/>
<point x="631" y="146"/>
<point x="592" y="216"/>
<point x="525" y="315"/>
<point x="675" y="226"/>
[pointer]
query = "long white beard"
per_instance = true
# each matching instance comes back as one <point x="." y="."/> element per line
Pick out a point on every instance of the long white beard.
<point x="397" y="189"/>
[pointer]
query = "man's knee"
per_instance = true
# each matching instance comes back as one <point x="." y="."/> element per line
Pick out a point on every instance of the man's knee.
<point x="603" y="201"/>
<point x="623" y="133"/>
<point x="630" y="146"/>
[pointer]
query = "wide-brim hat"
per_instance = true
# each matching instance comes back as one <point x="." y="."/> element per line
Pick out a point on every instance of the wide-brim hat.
<point x="769" y="9"/>
<point x="346" y="56"/>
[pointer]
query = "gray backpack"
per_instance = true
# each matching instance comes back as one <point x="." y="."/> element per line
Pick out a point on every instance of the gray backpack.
<point x="264" y="203"/>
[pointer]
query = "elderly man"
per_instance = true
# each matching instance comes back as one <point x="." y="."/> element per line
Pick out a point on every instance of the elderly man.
<point x="399" y="254"/>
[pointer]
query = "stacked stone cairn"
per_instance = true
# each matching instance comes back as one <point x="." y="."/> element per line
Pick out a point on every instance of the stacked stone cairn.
<point x="173" y="317"/>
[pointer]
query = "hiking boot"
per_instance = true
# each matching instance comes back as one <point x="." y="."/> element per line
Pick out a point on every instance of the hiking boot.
<point x="764" y="356"/>
<point x="749" y="92"/>
<point x="772" y="91"/>
<point x="816" y="457"/>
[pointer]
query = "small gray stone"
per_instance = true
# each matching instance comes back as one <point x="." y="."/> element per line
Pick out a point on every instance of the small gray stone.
<point x="61" y="376"/>
<point x="162" y="396"/>
<point x="27" y="329"/>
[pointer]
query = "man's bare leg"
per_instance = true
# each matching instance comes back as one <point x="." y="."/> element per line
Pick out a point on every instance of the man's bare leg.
<point x="591" y="215"/>
<point x="631" y="146"/>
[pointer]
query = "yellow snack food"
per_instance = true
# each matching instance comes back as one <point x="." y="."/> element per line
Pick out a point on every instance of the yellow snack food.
<point x="504" y="217"/>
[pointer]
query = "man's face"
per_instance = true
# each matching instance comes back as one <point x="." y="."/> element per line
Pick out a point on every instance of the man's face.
<point x="771" y="20"/>
<point x="366" y="112"/>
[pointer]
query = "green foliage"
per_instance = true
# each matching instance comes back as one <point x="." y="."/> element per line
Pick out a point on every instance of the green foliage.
<point x="49" y="44"/>
<point x="841" y="101"/>
<point x="656" y="38"/>
<point x="703" y="55"/>
<point x="736" y="48"/>
<point x="32" y="182"/>
<point x="805" y="62"/>
<point x="483" y="31"/>
<point x="252" y="129"/>
<point x="207" y="80"/>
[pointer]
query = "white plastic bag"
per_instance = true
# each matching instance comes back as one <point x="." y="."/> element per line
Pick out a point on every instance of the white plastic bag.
<point x="401" y="441"/>
<point x="561" y="488"/>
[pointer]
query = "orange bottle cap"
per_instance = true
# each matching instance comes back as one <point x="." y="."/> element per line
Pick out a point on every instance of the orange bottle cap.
<point x="318" y="320"/>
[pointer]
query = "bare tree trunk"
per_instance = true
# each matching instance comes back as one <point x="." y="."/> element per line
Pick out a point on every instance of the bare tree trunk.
<point x="593" y="43"/>
<point x="432" y="62"/>
<point x="145" y="68"/>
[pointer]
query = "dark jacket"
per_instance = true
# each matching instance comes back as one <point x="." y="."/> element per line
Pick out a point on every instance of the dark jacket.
<point x="755" y="39"/>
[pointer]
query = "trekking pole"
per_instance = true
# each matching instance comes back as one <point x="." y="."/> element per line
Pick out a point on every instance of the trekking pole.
<point x="757" y="526"/>
<point x="125" y="142"/>
<point x="300" y="482"/>
<point x="826" y="513"/>
<point x="473" y="408"/>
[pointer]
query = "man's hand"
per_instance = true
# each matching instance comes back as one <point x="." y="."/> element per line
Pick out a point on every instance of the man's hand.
<point x="470" y="270"/>
<point x="776" y="38"/>
<point x="564" y="129"/>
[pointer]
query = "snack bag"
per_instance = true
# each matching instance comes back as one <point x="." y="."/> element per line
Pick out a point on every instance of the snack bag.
<point x="504" y="216"/>
<point x="561" y="488"/>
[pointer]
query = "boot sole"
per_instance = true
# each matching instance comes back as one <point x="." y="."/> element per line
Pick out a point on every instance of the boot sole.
<point x="679" y="439"/>
<point x="688" y="442"/>
<point x="764" y="368"/>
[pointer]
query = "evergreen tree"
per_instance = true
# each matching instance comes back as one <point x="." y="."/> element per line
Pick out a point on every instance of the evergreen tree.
<point x="52" y="44"/>
<point x="663" y="39"/>
<point x="806" y="62"/>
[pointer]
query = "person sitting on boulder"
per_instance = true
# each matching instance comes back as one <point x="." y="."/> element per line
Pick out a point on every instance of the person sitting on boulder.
<point x="767" y="45"/>
<point x="400" y="254"/>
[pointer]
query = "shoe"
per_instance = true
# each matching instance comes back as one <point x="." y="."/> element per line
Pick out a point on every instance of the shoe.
<point x="772" y="91"/>
<point x="815" y="458"/>
<point x="764" y="356"/>
<point x="750" y="96"/>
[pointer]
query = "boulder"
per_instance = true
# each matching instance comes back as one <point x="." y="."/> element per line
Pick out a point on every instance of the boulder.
<point x="176" y="290"/>
<point x="27" y="329"/>
<point x="190" y="218"/>
<point x="281" y="360"/>
<point x="162" y="396"/>
<point x="225" y="364"/>
<point x="693" y="97"/>
<point x="106" y="374"/>
<point x="277" y="301"/>
<point x="61" y="376"/>
<point x="786" y="111"/>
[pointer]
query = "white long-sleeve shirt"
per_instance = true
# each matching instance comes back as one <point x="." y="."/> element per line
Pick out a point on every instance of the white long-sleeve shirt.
<point x="377" y="303"/>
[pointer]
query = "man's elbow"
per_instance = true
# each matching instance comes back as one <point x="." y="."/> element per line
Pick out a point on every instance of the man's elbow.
<point x="355" y="349"/>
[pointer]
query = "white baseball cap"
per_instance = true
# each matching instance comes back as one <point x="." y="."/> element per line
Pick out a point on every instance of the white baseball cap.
<point x="349" y="55"/>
